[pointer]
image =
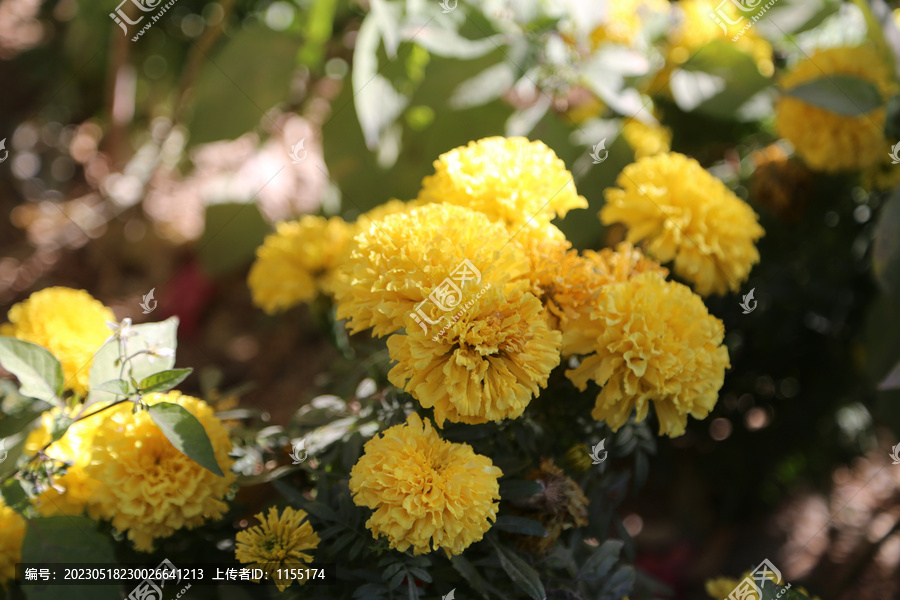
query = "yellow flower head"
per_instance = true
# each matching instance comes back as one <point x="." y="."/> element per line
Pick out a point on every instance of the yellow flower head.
<point x="69" y="323"/>
<point x="686" y="214"/>
<point x="151" y="488"/>
<point x="697" y="28"/>
<point x="624" y="20"/>
<point x="74" y="447"/>
<point x="509" y="179"/>
<point x="648" y="339"/>
<point x="13" y="527"/>
<point x="297" y="262"/>
<point x="434" y="254"/>
<point x="485" y="366"/>
<point x="825" y="140"/>
<point x="427" y="493"/>
<point x="279" y="542"/>
<point x="646" y="140"/>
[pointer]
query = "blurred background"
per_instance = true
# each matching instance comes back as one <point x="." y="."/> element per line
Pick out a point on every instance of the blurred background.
<point x="161" y="161"/>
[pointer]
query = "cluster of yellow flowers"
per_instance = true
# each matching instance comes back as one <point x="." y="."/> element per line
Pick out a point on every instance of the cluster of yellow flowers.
<point x="482" y="297"/>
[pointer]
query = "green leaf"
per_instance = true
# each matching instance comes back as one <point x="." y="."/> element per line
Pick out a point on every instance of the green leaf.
<point x="886" y="247"/>
<point x="234" y="89"/>
<point x="488" y="85"/>
<point x="519" y="488"/>
<point x="11" y="424"/>
<point x="119" y="387"/>
<point x="619" y="585"/>
<point x="59" y="426"/>
<point x="63" y="540"/>
<point x="471" y="575"/>
<point x="233" y="232"/>
<point x="601" y="561"/>
<point x="186" y="433"/>
<point x="520" y="572"/>
<point x="38" y="371"/>
<point x="162" y="335"/>
<point x="449" y="44"/>
<point x="14" y="495"/>
<point x="520" y="525"/>
<point x="164" y="380"/>
<point x="841" y="94"/>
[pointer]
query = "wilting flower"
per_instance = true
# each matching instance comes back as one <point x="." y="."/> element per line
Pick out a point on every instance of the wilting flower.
<point x="686" y="214"/>
<point x="13" y="527"/>
<point x="411" y="268"/>
<point x="646" y="340"/>
<point x="297" y="262"/>
<point x="69" y="323"/>
<point x="278" y="542"/>
<point x="779" y="182"/>
<point x="427" y="493"/>
<point x="512" y="180"/>
<point x="559" y="506"/>
<point x="151" y="489"/>
<point x="484" y="364"/>
<point x="73" y="448"/>
<point x="646" y="140"/>
<point x="825" y="140"/>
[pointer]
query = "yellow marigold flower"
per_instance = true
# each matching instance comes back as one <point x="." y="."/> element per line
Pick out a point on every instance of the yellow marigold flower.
<point x="427" y="493"/>
<point x="648" y="339"/>
<point x="279" y="542"/>
<point x="69" y="323"/>
<point x="624" y="20"/>
<point x="686" y="214"/>
<point x="297" y="262"/>
<point x="151" y="488"/>
<point x="560" y="506"/>
<point x="13" y="527"/>
<point x="74" y="448"/>
<point x="825" y="140"/>
<point x="646" y="140"/>
<point x="433" y="254"/>
<point x="484" y="364"/>
<point x="509" y="179"/>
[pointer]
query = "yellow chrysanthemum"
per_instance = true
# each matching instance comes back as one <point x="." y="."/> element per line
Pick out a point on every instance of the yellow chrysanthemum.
<point x="69" y="323"/>
<point x="277" y="543"/>
<point x="648" y="339"/>
<point x="695" y="28"/>
<point x="686" y="214"/>
<point x="436" y="254"/>
<point x="825" y="140"/>
<point x="647" y="140"/>
<point x="152" y="489"/>
<point x="81" y="490"/>
<point x="13" y="527"/>
<point x="297" y="262"/>
<point x="484" y="364"/>
<point x="512" y="180"/>
<point x="427" y="493"/>
<point x="624" y="20"/>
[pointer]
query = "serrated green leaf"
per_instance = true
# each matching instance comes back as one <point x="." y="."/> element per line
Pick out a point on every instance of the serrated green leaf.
<point x="520" y="525"/>
<point x="840" y="94"/>
<point x="164" y="380"/>
<point x="186" y="433"/>
<point x="38" y="371"/>
<point x="597" y="566"/>
<point x="521" y="573"/>
<point x="519" y="488"/>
